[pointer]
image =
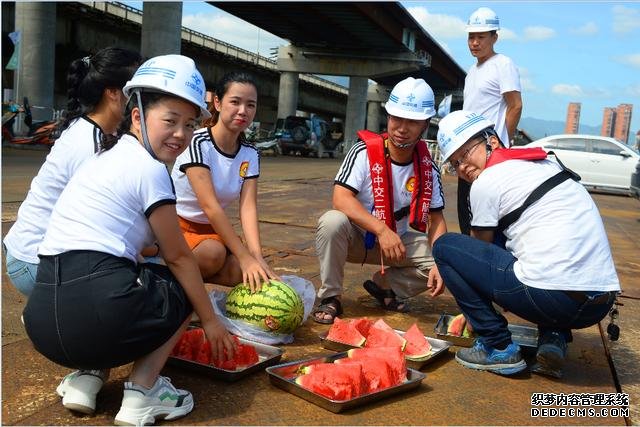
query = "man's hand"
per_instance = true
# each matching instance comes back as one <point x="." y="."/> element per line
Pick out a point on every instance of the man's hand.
<point x="435" y="284"/>
<point x="391" y="245"/>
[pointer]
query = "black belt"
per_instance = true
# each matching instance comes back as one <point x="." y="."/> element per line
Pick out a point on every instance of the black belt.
<point x="582" y="297"/>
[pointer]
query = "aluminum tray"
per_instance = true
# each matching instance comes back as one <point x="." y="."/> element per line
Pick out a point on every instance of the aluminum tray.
<point x="526" y="336"/>
<point x="267" y="355"/>
<point x="438" y="348"/>
<point x="284" y="376"/>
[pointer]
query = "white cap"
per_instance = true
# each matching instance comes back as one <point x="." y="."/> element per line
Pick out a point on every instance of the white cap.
<point x="455" y="129"/>
<point x="173" y="74"/>
<point x="482" y="20"/>
<point x="411" y="99"/>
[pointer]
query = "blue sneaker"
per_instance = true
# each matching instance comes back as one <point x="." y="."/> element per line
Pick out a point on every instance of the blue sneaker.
<point x="504" y="362"/>
<point x="552" y="350"/>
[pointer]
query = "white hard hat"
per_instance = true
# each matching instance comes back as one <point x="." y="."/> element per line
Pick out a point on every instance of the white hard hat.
<point x="456" y="128"/>
<point x="411" y="99"/>
<point x="483" y="19"/>
<point x="173" y="74"/>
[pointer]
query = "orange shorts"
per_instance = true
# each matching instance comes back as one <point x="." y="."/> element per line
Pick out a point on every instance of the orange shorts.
<point x="194" y="233"/>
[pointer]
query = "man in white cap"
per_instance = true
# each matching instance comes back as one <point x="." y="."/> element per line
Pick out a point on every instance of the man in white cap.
<point x="386" y="184"/>
<point x="491" y="88"/>
<point x="555" y="269"/>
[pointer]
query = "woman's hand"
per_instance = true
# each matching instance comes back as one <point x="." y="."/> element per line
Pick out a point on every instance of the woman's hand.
<point x="253" y="273"/>
<point x="220" y="339"/>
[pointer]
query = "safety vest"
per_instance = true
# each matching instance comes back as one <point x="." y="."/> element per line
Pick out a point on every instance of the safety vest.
<point x="382" y="182"/>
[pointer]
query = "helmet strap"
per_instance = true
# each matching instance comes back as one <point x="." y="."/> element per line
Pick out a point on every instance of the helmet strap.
<point x="143" y="127"/>
<point x="395" y="144"/>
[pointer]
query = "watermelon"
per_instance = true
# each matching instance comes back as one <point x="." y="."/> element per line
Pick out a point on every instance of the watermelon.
<point x="377" y="372"/>
<point x="383" y="335"/>
<point x="363" y="325"/>
<point x="457" y="325"/>
<point x="345" y="332"/>
<point x="417" y="345"/>
<point x="336" y="382"/>
<point x="392" y="355"/>
<point x="276" y="308"/>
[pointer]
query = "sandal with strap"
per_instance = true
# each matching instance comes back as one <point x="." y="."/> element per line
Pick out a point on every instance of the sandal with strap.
<point x="380" y="294"/>
<point x="331" y="306"/>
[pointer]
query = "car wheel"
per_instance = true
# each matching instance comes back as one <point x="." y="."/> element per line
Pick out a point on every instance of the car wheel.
<point x="299" y="134"/>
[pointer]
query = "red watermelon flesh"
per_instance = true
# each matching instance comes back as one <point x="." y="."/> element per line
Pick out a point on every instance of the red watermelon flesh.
<point x="246" y="355"/>
<point x="336" y="382"/>
<point x="383" y="335"/>
<point x="345" y="332"/>
<point x="363" y="325"/>
<point x="377" y="372"/>
<point x="392" y="355"/>
<point x="417" y="344"/>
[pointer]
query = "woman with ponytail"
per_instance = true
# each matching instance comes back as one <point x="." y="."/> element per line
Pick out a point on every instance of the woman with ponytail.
<point x="94" y="107"/>
<point x="219" y="168"/>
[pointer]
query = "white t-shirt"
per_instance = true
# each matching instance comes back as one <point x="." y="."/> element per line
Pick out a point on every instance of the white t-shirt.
<point x="106" y="205"/>
<point x="228" y="173"/>
<point x="484" y="87"/>
<point x="76" y="144"/>
<point x="559" y="241"/>
<point x="355" y="175"/>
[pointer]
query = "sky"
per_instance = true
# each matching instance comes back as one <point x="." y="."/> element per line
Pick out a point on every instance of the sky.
<point x="587" y="52"/>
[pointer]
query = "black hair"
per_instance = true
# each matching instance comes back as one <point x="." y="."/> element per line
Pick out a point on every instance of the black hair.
<point x="88" y="77"/>
<point x="149" y="99"/>
<point x="221" y="89"/>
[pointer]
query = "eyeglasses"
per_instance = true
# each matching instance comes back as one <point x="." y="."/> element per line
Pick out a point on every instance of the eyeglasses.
<point x="465" y="156"/>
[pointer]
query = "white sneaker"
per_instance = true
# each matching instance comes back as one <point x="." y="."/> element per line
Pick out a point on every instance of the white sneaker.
<point x="141" y="406"/>
<point x="79" y="389"/>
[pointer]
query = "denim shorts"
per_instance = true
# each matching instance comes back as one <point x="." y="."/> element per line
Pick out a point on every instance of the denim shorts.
<point x="91" y="310"/>
<point x="21" y="273"/>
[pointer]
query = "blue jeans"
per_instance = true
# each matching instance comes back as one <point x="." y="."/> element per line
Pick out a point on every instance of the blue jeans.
<point x="21" y="273"/>
<point x="479" y="273"/>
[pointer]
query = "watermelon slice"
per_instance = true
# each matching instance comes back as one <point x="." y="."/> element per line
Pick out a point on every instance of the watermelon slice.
<point x="418" y="348"/>
<point x="246" y="355"/>
<point x="456" y="325"/>
<point x="392" y="355"/>
<point x="336" y="382"/>
<point x="377" y="372"/>
<point x="383" y="335"/>
<point x="363" y="325"/>
<point x="345" y="332"/>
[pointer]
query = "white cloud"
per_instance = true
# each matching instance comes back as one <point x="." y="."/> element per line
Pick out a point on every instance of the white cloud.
<point x="633" y="90"/>
<point x="232" y="30"/>
<point x="588" y="29"/>
<point x="566" y="89"/>
<point x="538" y="33"/>
<point x="625" y="19"/>
<point x="632" y="59"/>
<point x="506" y="34"/>
<point x="526" y="81"/>
<point x="439" y="25"/>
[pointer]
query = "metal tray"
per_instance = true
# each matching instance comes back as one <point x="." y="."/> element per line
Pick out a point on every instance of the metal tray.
<point x="284" y="376"/>
<point x="267" y="356"/>
<point x="438" y="347"/>
<point x="526" y="336"/>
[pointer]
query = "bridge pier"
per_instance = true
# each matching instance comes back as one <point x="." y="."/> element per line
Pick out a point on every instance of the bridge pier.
<point x="376" y="95"/>
<point x="288" y="94"/>
<point x="161" y="28"/>
<point x="356" y="109"/>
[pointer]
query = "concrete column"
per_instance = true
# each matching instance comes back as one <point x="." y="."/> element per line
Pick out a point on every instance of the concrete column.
<point x="288" y="94"/>
<point x="161" y="28"/>
<point x="374" y="116"/>
<point x="356" y="109"/>
<point x="34" y="78"/>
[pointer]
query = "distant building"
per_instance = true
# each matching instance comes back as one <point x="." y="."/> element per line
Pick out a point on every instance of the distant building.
<point x="608" y="121"/>
<point x="623" y="122"/>
<point x="573" y="118"/>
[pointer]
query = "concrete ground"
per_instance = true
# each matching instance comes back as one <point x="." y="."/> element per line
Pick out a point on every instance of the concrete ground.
<point x="293" y="193"/>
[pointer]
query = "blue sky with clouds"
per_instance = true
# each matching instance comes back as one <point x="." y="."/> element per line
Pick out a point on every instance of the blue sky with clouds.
<point x="586" y="52"/>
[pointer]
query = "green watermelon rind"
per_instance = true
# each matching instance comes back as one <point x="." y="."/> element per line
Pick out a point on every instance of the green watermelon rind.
<point x="288" y="311"/>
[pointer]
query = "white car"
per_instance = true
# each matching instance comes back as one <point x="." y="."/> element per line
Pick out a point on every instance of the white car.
<point x="603" y="163"/>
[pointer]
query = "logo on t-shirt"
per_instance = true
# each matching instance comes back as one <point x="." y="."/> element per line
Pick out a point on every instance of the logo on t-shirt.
<point x="411" y="183"/>
<point x="244" y="167"/>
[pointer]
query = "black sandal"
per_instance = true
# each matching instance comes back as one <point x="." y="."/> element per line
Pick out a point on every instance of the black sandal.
<point x="380" y="294"/>
<point x="331" y="306"/>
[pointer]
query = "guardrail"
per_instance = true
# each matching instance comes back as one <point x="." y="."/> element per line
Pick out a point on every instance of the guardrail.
<point x="129" y="13"/>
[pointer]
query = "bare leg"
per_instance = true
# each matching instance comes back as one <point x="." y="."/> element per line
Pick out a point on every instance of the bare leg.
<point x="230" y="274"/>
<point x="211" y="256"/>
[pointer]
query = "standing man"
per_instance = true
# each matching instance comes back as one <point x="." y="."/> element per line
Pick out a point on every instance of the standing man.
<point x="491" y="89"/>
<point x="386" y="184"/>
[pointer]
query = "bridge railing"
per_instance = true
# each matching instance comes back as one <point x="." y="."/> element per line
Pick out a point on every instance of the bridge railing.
<point x="124" y="11"/>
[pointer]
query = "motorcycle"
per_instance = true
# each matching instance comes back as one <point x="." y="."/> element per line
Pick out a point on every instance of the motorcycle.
<point x="269" y="145"/>
<point x="39" y="132"/>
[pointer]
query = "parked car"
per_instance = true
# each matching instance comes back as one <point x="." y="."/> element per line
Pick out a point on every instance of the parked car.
<point x="635" y="182"/>
<point x="308" y="136"/>
<point x="603" y="163"/>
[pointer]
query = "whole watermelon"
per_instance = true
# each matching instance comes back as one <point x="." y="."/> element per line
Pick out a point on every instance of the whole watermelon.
<point x="277" y="307"/>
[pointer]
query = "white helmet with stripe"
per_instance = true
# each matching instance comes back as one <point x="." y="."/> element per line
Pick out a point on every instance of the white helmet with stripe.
<point x="458" y="127"/>
<point x="411" y="99"/>
<point x="482" y="20"/>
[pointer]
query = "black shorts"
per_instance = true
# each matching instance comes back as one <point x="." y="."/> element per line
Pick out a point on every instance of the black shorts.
<point x="91" y="310"/>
